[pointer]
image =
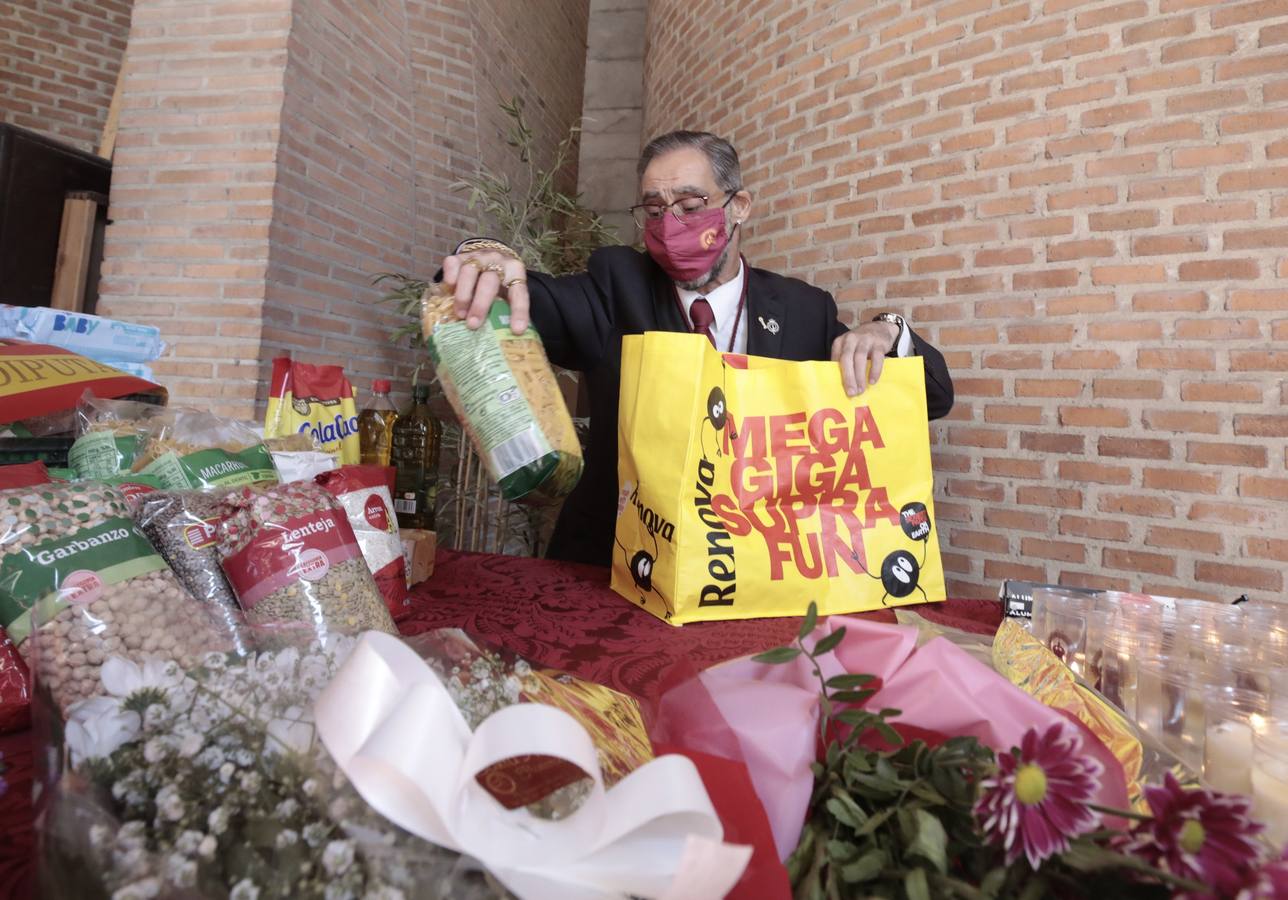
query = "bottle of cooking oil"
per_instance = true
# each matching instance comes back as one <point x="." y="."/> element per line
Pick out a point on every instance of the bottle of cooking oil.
<point x="416" y="439"/>
<point x="376" y="425"/>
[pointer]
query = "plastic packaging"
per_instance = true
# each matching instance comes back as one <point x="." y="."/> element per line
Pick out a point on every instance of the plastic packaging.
<point x="292" y="559"/>
<point x="109" y="435"/>
<point x="376" y="425"/>
<point x="505" y="394"/>
<point x="417" y="440"/>
<point x="184" y="527"/>
<point x="23" y="475"/>
<point x="192" y="449"/>
<point x="364" y="494"/>
<point x="76" y="573"/>
<point x="98" y="338"/>
<point x="301" y="465"/>
<point x="314" y="399"/>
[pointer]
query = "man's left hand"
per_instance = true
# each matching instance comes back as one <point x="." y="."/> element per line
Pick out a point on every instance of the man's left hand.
<point x="862" y="352"/>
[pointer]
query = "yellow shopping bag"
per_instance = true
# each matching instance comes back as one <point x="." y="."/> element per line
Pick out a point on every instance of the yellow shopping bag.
<point x="749" y="486"/>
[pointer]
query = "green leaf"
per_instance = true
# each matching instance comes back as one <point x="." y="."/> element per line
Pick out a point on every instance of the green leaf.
<point x="993" y="881"/>
<point x="931" y="842"/>
<point x="846" y="811"/>
<point x="876" y="821"/>
<point x="856" y="717"/>
<point x="852" y="696"/>
<point x="829" y="643"/>
<point x="892" y="737"/>
<point x="866" y="867"/>
<point x="915" y="885"/>
<point x="846" y="682"/>
<point x="890" y="713"/>
<point x="777" y="656"/>
<point x="810" y="620"/>
<point x="842" y="851"/>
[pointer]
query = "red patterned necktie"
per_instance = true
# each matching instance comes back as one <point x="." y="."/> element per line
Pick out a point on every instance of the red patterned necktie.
<point x="702" y="316"/>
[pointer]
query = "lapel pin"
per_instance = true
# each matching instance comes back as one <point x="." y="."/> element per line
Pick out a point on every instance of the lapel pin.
<point x="770" y="325"/>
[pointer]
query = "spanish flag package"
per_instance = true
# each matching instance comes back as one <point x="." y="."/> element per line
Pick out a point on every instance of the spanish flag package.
<point x="314" y="399"/>
<point x="749" y="487"/>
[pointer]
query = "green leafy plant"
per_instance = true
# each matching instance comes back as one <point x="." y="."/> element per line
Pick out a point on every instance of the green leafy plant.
<point x="547" y="226"/>
<point x="893" y="818"/>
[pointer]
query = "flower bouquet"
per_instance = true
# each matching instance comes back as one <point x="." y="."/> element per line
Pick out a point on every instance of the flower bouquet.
<point x="896" y="809"/>
<point x="215" y="780"/>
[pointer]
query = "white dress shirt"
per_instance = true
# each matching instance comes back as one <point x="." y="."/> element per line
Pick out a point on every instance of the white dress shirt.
<point x="724" y="305"/>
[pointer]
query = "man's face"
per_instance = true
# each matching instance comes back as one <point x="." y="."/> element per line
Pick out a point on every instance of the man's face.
<point x="686" y="174"/>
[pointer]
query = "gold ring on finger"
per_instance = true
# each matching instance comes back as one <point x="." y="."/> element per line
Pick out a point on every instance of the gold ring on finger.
<point x="471" y="261"/>
<point x="513" y="281"/>
<point x="495" y="267"/>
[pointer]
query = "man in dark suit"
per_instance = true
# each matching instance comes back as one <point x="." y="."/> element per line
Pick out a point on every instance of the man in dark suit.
<point x="692" y="278"/>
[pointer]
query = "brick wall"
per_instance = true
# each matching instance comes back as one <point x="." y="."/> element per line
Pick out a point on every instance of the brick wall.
<point x="274" y="156"/>
<point x="58" y="65"/>
<point x="192" y="190"/>
<point x="1083" y="204"/>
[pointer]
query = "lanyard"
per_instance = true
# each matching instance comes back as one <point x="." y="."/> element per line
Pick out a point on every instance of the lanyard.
<point x="742" y="302"/>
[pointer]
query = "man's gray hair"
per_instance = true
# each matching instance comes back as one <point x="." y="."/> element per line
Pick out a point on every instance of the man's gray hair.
<point x="719" y="152"/>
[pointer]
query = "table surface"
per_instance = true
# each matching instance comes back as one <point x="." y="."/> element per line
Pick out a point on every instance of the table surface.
<point x="558" y="614"/>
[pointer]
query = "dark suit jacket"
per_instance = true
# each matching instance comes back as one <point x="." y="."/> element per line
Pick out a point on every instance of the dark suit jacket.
<point x="581" y="318"/>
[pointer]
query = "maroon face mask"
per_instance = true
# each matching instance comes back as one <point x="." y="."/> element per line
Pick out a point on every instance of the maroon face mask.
<point x="687" y="250"/>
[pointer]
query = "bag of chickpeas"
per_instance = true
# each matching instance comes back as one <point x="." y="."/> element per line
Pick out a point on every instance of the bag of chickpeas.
<point x="504" y="392"/>
<point x="79" y="583"/>
<point x="293" y="562"/>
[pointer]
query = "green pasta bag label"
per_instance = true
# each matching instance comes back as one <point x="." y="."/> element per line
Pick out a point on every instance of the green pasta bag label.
<point x="213" y="468"/>
<point x="101" y="454"/>
<point x="70" y="569"/>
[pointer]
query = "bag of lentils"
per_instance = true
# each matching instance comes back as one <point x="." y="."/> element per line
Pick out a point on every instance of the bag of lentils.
<point x="184" y="528"/>
<point x="294" y="563"/>
<point x="78" y="576"/>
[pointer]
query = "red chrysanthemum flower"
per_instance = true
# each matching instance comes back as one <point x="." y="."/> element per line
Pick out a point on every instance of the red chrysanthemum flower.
<point x="1038" y="799"/>
<point x="1268" y="882"/>
<point x="1197" y="834"/>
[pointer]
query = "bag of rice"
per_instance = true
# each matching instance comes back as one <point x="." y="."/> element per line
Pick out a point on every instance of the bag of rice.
<point x="292" y="559"/>
<point x="77" y="574"/>
<point x="503" y="391"/>
<point x="363" y="491"/>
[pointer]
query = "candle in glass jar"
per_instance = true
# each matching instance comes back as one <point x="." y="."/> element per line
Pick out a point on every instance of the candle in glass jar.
<point x="1227" y="757"/>
<point x="1270" y="782"/>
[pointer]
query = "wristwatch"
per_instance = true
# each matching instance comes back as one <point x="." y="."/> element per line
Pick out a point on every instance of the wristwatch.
<point x="897" y="320"/>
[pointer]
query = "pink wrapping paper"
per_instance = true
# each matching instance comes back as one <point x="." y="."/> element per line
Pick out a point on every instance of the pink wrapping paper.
<point x="767" y="715"/>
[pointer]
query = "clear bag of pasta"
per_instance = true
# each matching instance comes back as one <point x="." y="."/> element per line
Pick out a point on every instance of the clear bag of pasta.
<point x="507" y="398"/>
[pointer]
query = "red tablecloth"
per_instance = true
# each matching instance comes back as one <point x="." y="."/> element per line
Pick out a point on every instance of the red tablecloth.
<point x="559" y="614"/>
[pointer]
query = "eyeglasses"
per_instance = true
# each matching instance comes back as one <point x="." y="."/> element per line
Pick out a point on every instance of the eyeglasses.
<point x="679" y="207"/>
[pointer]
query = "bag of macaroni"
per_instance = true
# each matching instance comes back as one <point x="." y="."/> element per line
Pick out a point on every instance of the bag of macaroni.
<point x="749" y="487"/>
<point x="315" y="399"/>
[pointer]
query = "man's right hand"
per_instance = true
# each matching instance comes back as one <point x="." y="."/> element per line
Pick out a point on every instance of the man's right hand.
<point x="478" y="277"/>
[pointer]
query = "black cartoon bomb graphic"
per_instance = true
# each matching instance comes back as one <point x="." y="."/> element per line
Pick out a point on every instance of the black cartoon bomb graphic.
<point x="717" y="414"/>
<point x="900" y="572"/>
<point x="640" y="563"/>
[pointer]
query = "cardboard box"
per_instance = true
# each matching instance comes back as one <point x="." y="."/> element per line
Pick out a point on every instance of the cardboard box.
<point x="418" y="549"/>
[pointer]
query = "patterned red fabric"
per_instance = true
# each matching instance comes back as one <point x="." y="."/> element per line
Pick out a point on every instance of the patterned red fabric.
<point x="559" y="614"/>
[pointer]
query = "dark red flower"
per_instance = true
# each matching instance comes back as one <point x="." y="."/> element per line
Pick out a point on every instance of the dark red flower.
<point x="1197" y="834"/>
<point x="1268" y="882"/>
<point x="1038" y="799"/>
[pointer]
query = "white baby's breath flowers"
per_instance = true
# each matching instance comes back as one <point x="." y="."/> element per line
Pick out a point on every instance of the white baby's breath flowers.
<point x="337" y="857"/>
<point x="286" y="838"/>
<point x="217" y="821"/>
<point x="144" y="889"/>
<point x="170" y="803"/>
<point x="244" y="890"/>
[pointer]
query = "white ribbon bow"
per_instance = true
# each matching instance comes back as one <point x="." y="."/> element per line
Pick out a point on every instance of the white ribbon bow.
<point x="396" y="733"/>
